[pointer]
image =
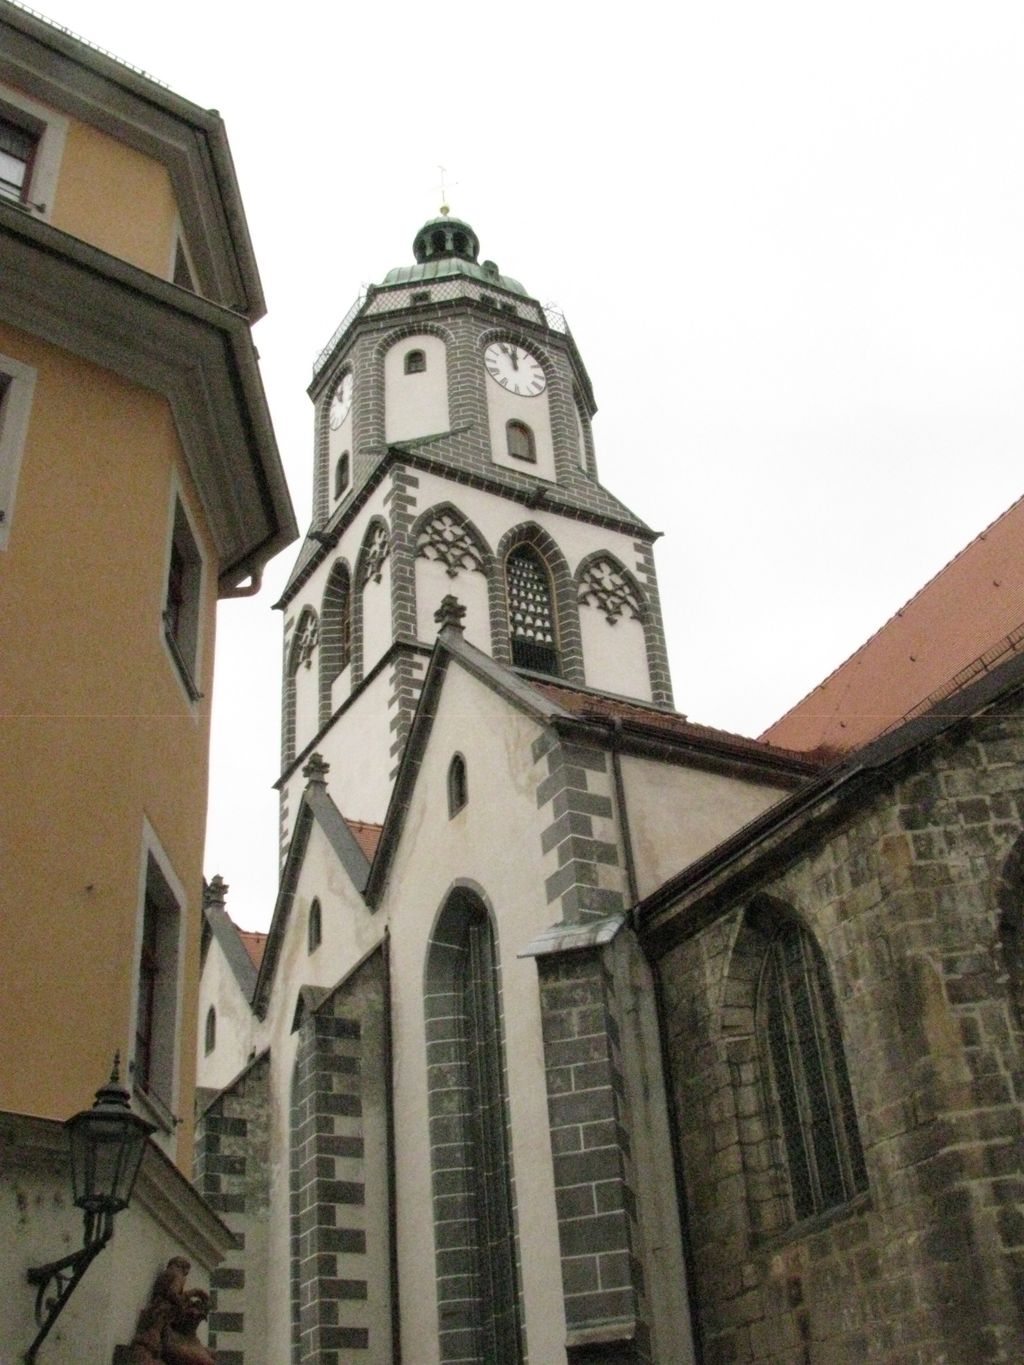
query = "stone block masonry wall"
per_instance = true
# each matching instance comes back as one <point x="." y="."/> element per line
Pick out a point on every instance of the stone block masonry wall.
<point x="341" y="1291"/>
<point x="602" y="1278"/>
<point x="927" y="1264"/>
<point x="232" y="1174"/>
<point x="580" y="839"/>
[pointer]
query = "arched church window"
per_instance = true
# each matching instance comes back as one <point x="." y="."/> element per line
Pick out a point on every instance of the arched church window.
<point x="336" y="634"/>
<point x="437" y="241"/>
<point x="521" y="445"/>
<point x="804" y="1062"/>
<point x="415" y="362"/>
<point x="341" y="474"/>
<point x="464" y="1015"/>
<point x="531" y="611"/>
<point x="458" y="786"/>
<point x="210" y="1032"/>
<point x="315" y="933"/>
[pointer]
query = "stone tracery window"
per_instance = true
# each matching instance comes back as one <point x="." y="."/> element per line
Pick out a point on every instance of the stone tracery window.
<point x="306" y="639"/>
<point x="448" y="541"/>
<point x="805" y="1068"/>
<point x="606" y="586"/>
<point x="375" y="552"/>
<point x="531" y="611"/>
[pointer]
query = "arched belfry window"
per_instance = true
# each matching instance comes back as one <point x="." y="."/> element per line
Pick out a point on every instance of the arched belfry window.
<point x="468" y="1106"/>
<point x="341" y="473"/>
<point x="415" y="362"/>
<point x="316" y="928"/>
<point x="521" y="445"/>
<point x="531" y="611"/>
<point x="210" y="1033"/>
<point x="805" y="1070"/>
<point x="335" y="635"/>
<point x="458" y="785"/>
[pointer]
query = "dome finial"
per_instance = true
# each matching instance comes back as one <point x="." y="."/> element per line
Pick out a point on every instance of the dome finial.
<point x="445" y="209"/>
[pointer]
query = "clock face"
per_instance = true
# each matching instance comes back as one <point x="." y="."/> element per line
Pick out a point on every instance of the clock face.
<point x="514" y="368"/>
<point x="342" y="400"/>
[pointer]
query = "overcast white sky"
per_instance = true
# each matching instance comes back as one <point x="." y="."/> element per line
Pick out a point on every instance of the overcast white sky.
<point x="789" y="240"/>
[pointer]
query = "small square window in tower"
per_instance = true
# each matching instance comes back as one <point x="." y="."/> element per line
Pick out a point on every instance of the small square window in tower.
<point x="415" y="362"/>
<point x="17" y="152"/>
<point x="531" y="613"/>
<point x="521" y="445"/>
<point x="182" y="604"/>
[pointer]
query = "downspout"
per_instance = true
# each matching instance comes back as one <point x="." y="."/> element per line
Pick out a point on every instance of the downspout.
<point x="249" y="589"/>
<point x="620" y="799"/>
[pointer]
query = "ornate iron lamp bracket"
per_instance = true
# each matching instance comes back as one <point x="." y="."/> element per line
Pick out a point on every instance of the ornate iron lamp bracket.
<point x="61" y="1277"/>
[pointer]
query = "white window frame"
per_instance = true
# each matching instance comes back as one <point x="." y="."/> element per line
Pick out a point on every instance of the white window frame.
<point x="161" y="1105"/>
<point x="15" y="407"/>
<point x="52" y="131"/>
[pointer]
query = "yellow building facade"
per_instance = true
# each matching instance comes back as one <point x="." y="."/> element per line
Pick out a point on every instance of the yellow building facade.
<point x="139" y="482"/>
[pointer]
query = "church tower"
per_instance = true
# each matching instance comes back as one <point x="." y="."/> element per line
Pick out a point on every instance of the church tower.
<point x="453" y="455"/>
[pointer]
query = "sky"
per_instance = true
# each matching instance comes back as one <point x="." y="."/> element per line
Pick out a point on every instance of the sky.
<point x="789" y="241"/>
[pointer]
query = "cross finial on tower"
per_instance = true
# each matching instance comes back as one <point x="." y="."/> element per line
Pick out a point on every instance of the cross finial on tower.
<point x="445" y="210"/>
<point x="316" y="770"/>
<point x="450" y="613"/>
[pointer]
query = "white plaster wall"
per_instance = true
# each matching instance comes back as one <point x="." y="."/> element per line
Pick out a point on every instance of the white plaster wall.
<point x="349" y="934"/>
<point x="218" y="986"/>
<point x="341" y="687"/>
<point x="614" y="653"/>
<point x="433" y="583"/>
<point x="377" y="630"/>
<point x="38" y="1224"/>
<point x="358" y="749"/>
<point x="503" y="407"/>
<point x="495" y="842"/>
<point x="677" y="814"/>
<point x="307" y="700"/>
<point x="415" y="404"/>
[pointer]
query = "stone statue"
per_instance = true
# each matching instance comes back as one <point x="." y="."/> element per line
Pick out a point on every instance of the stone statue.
<point x="166" y="1330"/>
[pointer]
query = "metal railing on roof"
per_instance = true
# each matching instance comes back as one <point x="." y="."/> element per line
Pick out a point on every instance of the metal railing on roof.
<point x="94" y="47"/>
<point x="378" y="301"/>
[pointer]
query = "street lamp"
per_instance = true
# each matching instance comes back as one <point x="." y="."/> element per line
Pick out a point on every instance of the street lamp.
<point x="107" y="1143"/>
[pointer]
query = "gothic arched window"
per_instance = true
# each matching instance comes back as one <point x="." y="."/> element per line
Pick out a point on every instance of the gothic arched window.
<point x="316" y="928"/>
<point x="521" y="445"/>
<point x="458" y="786"/>
<point x="531" y="611"/>
<point x="415" y="362"/>
<point x="341" y="474"/>
<point x="210" y="1032"/>
<point x="805" y="1068"/>
<point x="468" y="1093"/>
<point x="335" y="635"/>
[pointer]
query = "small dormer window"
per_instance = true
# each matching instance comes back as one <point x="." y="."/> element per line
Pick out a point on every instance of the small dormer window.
<point x="341" y="474"/>
<point x="415" y="362"/>
<point x="521" y="445"/>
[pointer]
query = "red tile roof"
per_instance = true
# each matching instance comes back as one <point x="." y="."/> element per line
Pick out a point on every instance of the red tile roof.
<point x="967" y="618"/>
<point x="254" y="944"/>
<point x="367" y="836"/>
<point x="670" y="724"/>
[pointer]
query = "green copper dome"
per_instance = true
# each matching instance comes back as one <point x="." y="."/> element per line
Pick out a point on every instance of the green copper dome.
<point x="444" y="247"/>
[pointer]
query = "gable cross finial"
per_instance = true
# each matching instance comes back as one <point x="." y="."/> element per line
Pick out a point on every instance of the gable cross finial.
<point x="216" y="891"/>
<point x="316" y="770"/>
<point x="450" y="613"/>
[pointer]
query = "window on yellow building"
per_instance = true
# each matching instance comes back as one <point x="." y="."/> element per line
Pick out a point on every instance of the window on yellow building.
<point x="156" y="1011"/>
<point x="182" y="601"/>
<point x="16" y="385"/>
<point x="17" y="153"/>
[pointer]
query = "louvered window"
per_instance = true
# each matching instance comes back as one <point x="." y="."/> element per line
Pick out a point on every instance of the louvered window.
<point x="531" y="613"/>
